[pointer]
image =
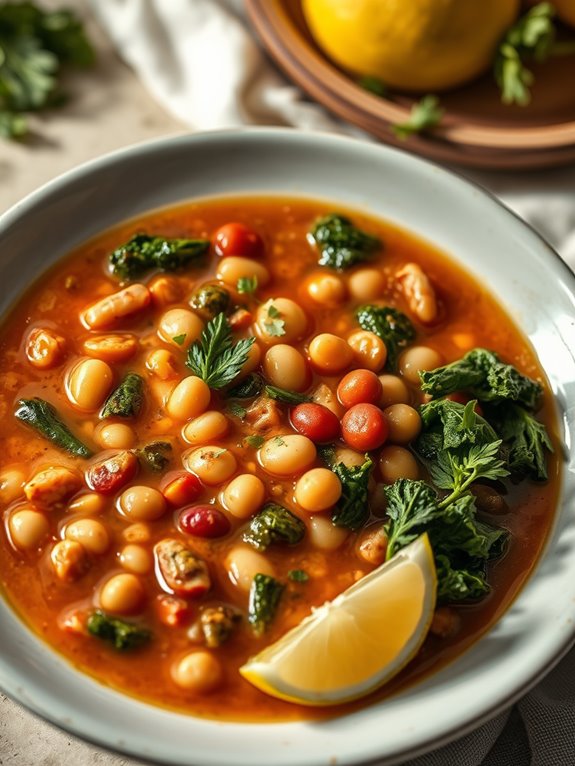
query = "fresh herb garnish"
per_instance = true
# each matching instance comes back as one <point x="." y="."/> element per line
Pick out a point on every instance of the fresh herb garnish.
<point x="122" y="635"/>
<point x="247" y="285"/>
<point x="274" y="324"/>
<point x="215" y="358"/>
<point x="127" y="400"/>
<point x="341" y="244"/>
<point x="155" y="456"/>
<point x="389" y="324"/>
<point x="43" y="417"/>
<point x="352" y="509"/>
<point x="265" y="595"/>
<point x="425" y="115"/>
<point x="254" y="441"/>
<point x="142" y="253"/>
<point x="373" y="85"/>
<point x="298" y="575"/>
<point x="274" y="524"/>
<point x="236" y="410"/>
<point x="180" y="339"/>
<point x="525" y="439"/>
<point x="285" y="396"/>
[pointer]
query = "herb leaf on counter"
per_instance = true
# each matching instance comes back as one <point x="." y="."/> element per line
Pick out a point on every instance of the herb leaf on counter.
<point x="215" y="358"/>
<point x="341" y="244"/>
<point x="389" y="324"/>
<point x="425" y="115"/>
<point x="143" y="252"/>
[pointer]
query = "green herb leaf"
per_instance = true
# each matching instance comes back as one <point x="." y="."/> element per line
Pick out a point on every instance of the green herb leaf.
<point x="341" y="244"/>
<point x="411" y="506"/>
<point x="532" y="37"/>
<point x="265" y="595"/>
<point x="298" y="575"/>
<point x="274" y="524"/>
<point x="285" y="396"/>
<point x="215" y="358"/>
<point x="456" y="424"/>
<point x="143" y="252"/>
<point x="247" y="285"/>
<point x="43" y="417"/>
<point x="373" y="85"/>
<point x="236" y="410"/>
<point x="352" y="509"/>
<point x="247" y="388"/>
<point x="12" y="124"/>
<point x="525" y="438"/>
<point x="425" y="115"/>
<point x="274" y="324"/>
<point x="210" y="300"/>
<point x="180" y="339"/>
<point x="389" y="324"/>
<point x="254" y="441"/>
<point x="459" y="584"/>
<point x="127" y="400"/>
<point x="123" y="636"/>
<point x="155" y="456"/>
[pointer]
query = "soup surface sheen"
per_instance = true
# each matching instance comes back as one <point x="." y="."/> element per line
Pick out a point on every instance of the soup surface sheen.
<point x="67" y="549"/>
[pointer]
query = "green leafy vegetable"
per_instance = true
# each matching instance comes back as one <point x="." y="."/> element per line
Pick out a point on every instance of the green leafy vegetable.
<point x="456" y="470"/>
<point x="425" y="115"/>
<point x="341" y="244"/>
<point x="525" y="438"/>
<point x="247" y="285"/>
<point x="236" y="410"/>
<point x="449" y="425"/>
<point x="43" y="417"/>
<point x="532" y="37"/>
<point x="218" y="623"/>
<point x="298" y="575"/>
<point x="180" y="339"/>
<point x="285" y="396"/>
<point x="254" y="441"/>
<point x="389" y="324"/>
<point x="373" y="85"/>
<point x="265" y="595"/>
<point x="411" y="505"/>
<point x="352" y="509"/>
<point x="35" y="46"/>
<point x="247" y="388"/>
<point x="455" y="531"/>
<point x="143" y="252"/>
<point x="482" y="374"/>
<point x="210" y="300"/>
<point x="127" y="400"/>
<point x="215" y="358"/>
<point x="155" y="456"/>
<point x="274" y="524"/>
<point x="459" y="584"/>
<point x="274" y="324"/>
<point x="122" y="635"/>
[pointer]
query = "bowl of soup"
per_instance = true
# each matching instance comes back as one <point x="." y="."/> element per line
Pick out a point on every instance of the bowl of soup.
<point x="285" y="452"/>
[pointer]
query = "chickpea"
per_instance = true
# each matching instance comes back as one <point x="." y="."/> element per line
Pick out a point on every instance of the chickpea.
<point x="11" y="485"/>
<point x="280" y="320"/>
<point x="252" y="362"/>
<point x="418" y="358"/>
<point x="366" y="284"/>
<point x="327" y="290"/>
<point x="89" y="503"/>
<point x="330" y="353"/>
<point x="69" y="560"/>
<point x="142" y="503"/>
<point x="325" y="535"/>
<point x="317" y="490"/>
<point x="233" y="267"/>
<point x="92" y="534"/>
<point x="394" y="391"/>
<point x="137" y="533"/>
<point x="165" y="290"/>
<point x="243" y="564"/>
<point x="115" y="436"/>
<point x="162" y="364"/>
<point x="371" y="546"/>
<point x="189" y="398"/>
<point x="180" y="327"/>
<point x="404" y="423"/>
<point x="123" y="594"/>
<point x="370" y="351"/>
<point x="286" y="455"/>
<point x="206" y="428"/>
<point x="45" y="349"/>
<point x="113" y="349"/>
<point x="284" y="366"/>
<point x="136" y="559"/>
<point x="199" y="671"/>
<point x="244" y="495"/>
<point x="89" y="383"/>
<point x="116" y="307"/>
<point x="397" y="463"/>
<point x="212" y="465"/>
<point x="28" y="528"/>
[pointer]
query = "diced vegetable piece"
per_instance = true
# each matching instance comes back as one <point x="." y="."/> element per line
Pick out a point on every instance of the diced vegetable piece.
<point x="265" y="595"/>
<point x="204" y="521"/>
<point x="274" y="524"/>
<point x="264" y="414"/>
<point x="122" y="635"/>
<point x="215" y="358"/>
<point x="247" y="388"/>
<point x="284" y="396"/>
<point x="52" y="486"/>
<point x="210" y="300"/>
<point x="127" y="400"/>
<point x="116" y="307"/>
<point x="341" y="244"/>
<point x="42" y="417"/>
<point x="183" y="489"/>
<point x="389" y="324"/>
<point x="142" y="253"/>
<point x="183" y="571"/>
<point x="238" y="239"/>
<point x="419" y="292"/>
<point x="110" y="475"/>
<point x="298" y="575"/>
<point x="218" y="623"/>
<point x="155" y="456"/>
<point x="173" y="611"/>
<point x="316" y="422"/>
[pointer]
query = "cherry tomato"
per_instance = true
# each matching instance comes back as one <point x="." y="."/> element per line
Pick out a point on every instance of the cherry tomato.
<point x="107" y="476"/>
<point x="461" y="398"/>
<point x="182" y="489"/>
<point x="364" y="427"/>
<point x="238" y="239"/>
<point x="316" y="422"/>
<point x="204" y="521"/>
<point x="359" y="387"/>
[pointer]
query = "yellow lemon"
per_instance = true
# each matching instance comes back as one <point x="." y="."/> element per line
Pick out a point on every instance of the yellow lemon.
<point x="418" y="45"/>
<point x="350" y="646"/>
<point x="565" y="10"/>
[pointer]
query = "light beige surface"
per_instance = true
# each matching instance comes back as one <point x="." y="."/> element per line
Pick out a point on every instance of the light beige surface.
<point x="108" y="109"/>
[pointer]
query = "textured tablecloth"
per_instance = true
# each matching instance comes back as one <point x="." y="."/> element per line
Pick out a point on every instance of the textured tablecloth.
<point x="203" y="68"/>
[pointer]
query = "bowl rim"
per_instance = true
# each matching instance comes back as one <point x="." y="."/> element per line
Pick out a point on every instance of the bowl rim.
<point x="13" y="689"/>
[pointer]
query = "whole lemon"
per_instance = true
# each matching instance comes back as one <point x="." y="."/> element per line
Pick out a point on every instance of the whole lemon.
<point x="418" y="45"/>
<point x="565" y="10"/>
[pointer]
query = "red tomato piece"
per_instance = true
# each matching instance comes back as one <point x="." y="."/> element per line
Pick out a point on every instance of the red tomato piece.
<point x="359" y="387"/>
<point x="204" y="521"/>
<point x="238" y="239"/>
<point x="183" y="490"/>
<point x="316" y="422"/>
<point x="461" y="398"/>
<point x="364" y="427"/>
<point x="173" y="611"/>
<point x="110" y="475"/>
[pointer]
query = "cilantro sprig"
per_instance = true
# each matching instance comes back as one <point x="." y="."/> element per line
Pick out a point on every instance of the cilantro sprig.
<point x="425" y="115"/>
<point x="215" y="358"/>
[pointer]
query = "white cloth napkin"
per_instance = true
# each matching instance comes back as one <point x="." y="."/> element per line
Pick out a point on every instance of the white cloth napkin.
<point x="200" y="60"/>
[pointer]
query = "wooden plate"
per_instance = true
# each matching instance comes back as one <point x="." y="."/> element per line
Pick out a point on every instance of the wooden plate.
<point x="477" y="130"/>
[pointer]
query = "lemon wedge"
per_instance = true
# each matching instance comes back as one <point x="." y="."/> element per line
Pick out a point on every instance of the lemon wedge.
<point x="350" y="646"/>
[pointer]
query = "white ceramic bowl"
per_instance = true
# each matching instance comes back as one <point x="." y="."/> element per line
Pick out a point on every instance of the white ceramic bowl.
<point x="519" y="267"/>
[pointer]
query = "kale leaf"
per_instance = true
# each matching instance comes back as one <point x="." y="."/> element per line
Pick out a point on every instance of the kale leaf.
<point x="143" y="252"/>
<point x="127" y="400"/>
<point x="44" y="418"/>
<point x="389" y="324"/>
<point x="265" y="595"/>
<point x="155" y="456"/>
<point x="340" y="243"/>
<point x="411" y="505"/>
<point x="274" y="524"/>
<point x="459" y="584"/>
<point x="122" y="635"/>
<point x="352" y="509"/>
<point x="525" y="438"/>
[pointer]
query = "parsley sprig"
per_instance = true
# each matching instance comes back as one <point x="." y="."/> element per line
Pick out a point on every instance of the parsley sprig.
<point x="215" y="358"/>
<point x="425" y="115"/>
